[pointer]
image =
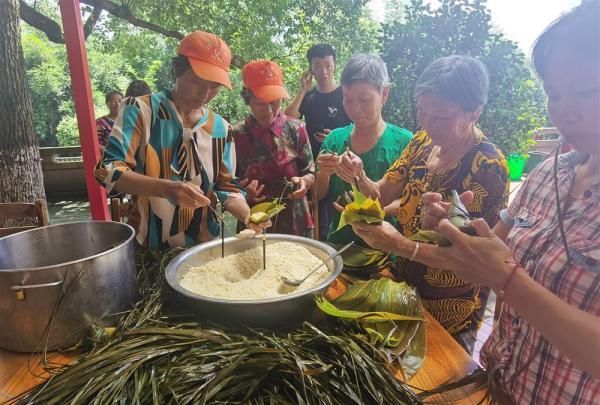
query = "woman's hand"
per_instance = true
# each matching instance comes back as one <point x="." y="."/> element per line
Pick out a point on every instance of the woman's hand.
<point x="301" y="189"/>
<point x="186" y="195"/>
<point x="320" y="136"/>
<point x="483" y="259"/>
<point x="350" y="166"/>
<point x="258" y="228"/>
<point x="328" y="163"/>
<point x="253" y="191"/>
<point x="434" y="209"/>
<point x="382" y="236"/>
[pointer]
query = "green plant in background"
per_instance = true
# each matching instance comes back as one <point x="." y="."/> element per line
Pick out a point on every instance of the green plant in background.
<point x="118" y="52"/>
<point x="417" y="34"/>
<point x="413" y="36"/>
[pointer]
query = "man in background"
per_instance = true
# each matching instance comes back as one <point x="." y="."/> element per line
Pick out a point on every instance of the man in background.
<point x="322" y="108"/>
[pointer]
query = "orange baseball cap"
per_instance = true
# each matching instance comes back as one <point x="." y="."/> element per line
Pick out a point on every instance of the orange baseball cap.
<point x="265" y="79"/>
<point x="209" y="56"/>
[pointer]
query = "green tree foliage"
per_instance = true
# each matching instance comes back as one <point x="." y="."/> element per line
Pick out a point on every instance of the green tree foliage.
<point x="118" y="52"/>
<point x="50" y="85"/>
<point x="414" y="35"/>
<point x="417" y="34"/>
<point x="48" y="82"/>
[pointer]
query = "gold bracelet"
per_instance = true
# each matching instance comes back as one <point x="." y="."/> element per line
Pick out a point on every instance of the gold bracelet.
<point x="415" y="251"/>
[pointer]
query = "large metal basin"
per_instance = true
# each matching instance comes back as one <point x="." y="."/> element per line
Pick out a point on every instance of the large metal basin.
<point x="267" y="313"/>
<point x="83" y="272"/>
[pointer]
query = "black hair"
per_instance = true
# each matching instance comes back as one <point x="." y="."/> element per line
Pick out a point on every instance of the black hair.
<point x="179" y="65"/>
<point x="137" y="88"/>
<point x="111" y="93"/>
<point x="578" y="30"/>
<point x="320" y="51"/>
<point x="459" y="79"/>
<point x="246" y="93"/>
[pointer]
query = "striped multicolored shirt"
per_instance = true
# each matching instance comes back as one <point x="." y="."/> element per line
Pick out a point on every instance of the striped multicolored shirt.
<point x="148" y="137"/>
<point x="531" y="370"/>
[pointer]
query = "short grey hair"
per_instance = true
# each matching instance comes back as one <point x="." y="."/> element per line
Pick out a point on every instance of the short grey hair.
<point x="365" y="68"/>
<point x="462" y="80"/>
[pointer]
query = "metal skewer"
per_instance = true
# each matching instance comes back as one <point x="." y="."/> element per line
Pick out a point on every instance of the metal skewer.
<point x="349" y="157"/>
<point x="264" y="240"/>
<point x="221" y="218"/>
<point x="222" y="231"/>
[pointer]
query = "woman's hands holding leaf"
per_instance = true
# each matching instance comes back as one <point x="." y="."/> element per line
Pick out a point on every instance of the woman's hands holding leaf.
<point x="434" y="209"/>
<point x="349" y="167"/>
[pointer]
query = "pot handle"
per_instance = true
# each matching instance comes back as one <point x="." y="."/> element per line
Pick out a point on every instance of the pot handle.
<point x="26" y="287"/>
<point x="20" y="289"/>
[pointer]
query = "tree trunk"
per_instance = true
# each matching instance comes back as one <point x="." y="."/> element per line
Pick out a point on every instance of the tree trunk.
<point x="20" y="165"/>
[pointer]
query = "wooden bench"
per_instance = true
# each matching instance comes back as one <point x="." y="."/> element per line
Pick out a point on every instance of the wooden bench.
<point x="20" y="210"/>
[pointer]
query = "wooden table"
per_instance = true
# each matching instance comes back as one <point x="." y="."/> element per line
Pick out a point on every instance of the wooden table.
<point x="445" y="360"/>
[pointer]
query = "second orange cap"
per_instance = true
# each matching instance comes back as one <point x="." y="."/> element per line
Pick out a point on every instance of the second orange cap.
<point x="265" y="79"/>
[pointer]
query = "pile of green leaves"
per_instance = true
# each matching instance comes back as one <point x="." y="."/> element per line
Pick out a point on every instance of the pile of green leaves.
<point x="360" y="260"/>
<point x="391" y="314"/>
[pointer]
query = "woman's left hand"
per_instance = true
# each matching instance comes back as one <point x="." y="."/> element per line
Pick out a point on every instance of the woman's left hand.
<point x="382" y="236"/>
<point x="301" y="188"/>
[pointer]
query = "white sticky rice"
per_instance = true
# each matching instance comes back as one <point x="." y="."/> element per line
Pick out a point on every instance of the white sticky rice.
<point x="241" y="276"/>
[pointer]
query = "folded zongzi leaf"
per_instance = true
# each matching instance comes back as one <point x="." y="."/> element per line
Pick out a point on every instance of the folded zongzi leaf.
<point x="362" y="209"/>
<point x="264" y="211"/>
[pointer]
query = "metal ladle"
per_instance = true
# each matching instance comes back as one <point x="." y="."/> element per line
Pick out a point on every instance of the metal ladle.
<point x="297" y="282"/>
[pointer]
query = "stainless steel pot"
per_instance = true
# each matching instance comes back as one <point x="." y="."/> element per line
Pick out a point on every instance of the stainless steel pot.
<point x="86" y="270"/>
<point x="267" y="313"/>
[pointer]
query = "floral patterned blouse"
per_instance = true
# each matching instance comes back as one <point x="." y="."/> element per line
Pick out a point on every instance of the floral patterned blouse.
<point x="271" y="156"/>
<point x="457" y="305"/>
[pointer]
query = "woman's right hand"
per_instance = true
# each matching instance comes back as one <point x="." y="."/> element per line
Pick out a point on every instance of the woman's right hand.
<point x="253" y="191"/>
<point x="186" y="195"/>
<point x="350" y="166"/>
<point x="328" y="163"/>
<point x="434" y="209"/>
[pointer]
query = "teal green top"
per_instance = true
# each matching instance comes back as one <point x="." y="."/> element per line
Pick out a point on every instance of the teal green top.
<point x="376" y="162"/>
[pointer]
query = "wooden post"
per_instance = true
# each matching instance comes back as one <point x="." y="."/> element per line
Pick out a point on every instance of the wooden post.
<point x="84" y="107"/>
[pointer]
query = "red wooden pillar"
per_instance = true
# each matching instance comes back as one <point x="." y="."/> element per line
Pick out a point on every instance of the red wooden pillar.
<point x="84" y="106"/>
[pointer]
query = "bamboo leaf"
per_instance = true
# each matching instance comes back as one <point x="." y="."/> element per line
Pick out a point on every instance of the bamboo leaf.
<point x="362" y="209"/>
<point x="425" y="236"/>
<point x="264" y="211"/>
<point x="380" y="316"/>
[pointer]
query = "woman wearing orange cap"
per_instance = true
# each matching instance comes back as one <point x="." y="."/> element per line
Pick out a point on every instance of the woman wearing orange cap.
<point x="174" y="155"/>
<point x="273" y="150"/>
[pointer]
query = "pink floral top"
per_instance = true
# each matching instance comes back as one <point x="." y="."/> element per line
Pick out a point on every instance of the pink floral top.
<point x="271" y="156"/>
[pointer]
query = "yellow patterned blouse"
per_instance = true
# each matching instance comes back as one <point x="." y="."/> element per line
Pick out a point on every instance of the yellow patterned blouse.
<point x="457" y="305"/>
